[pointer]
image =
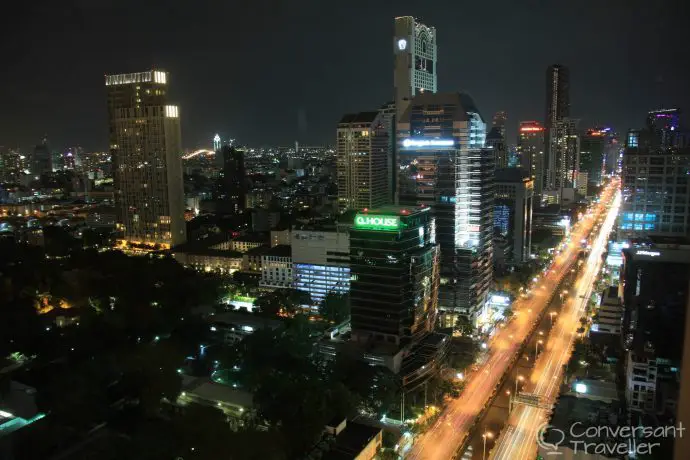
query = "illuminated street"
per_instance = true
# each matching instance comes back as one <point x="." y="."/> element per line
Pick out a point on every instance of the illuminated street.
<point x="443" y="440"/>
<point x="518" y="440"/>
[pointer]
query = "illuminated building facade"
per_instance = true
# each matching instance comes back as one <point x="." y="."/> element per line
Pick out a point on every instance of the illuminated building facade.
<point x="321" y="262"/>
<point x="530" y="151"/>
<point x="656" y="167"/>
<point x="394" y="263"/>
<point x="415" y="60"/>
<point x="442" y="165"/>
<point x="564" y="156"/>
<point x="145" y="146"/>
<point x="514" y="201"/>
<point x="362" y="161"/>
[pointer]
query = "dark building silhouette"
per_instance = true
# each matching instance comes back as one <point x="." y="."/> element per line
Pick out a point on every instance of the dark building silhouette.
<point x="234" y="181"/>
<point x="41" y="159"/>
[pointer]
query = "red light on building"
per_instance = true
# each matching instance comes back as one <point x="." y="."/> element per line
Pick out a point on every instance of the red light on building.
<point x="531" y="129"/>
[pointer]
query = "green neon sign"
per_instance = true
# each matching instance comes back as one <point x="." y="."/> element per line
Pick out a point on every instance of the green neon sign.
<point x="385" y="223"/>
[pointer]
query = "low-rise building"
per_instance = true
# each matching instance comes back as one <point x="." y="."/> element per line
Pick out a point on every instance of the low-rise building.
<point x="609" y="316"/>
<point x="276" y="268"/>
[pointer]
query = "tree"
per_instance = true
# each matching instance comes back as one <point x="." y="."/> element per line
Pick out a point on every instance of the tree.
<point x="464" y="325"/>
<point x="335" y="307"/>
<point x="508" y="313"/>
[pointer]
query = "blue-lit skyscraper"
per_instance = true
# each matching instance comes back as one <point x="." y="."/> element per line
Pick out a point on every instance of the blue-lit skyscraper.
<point x="442" y="164"/>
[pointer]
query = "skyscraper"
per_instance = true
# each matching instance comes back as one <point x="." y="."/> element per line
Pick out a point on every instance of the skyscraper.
<point x="514" y="192"/>
<point x="530" y="150"/>
<point x="442" y="165"/>
<point x="557" y="108"/>
<point x="415" y="54"/>
<point x="496" y="139"/>
<point x="234" y="181"/>
<point x="592" y="149"/>
<point x="394" y="267"/>
<point x="41" y="159"/>
<point x="655" y="183"/>
<point x="145" y="146"/>
<point x="362" y="161"/>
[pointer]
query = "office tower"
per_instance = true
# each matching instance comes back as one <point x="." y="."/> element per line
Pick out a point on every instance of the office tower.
<point x="530" y="151"/>
<point x="216" y="143"/>
<point x="395" y="277"/>
<point x="592" y="150"/>
<point x="655" y="278"/>
<point x="612" y="153"/>
<point x="415" y="54"/>
<point x="442" y="165"/>
<point x="72" y="158"/>
<point x="145" y="146"/>
<point x="362" y="161"/>
<point x="41" y="159"/>
<point x="514" y="200"/>
<point x="654" y="185"/>
<point x="321" y="261"/>
<point x="496" y="140"/>
<point x="233" y="196"/>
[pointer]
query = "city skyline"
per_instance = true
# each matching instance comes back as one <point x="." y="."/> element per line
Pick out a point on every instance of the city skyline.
<point x="206" y="80"/>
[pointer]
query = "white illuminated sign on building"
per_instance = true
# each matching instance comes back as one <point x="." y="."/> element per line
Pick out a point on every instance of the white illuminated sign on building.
<point x="648" y="253"/>
<point x="580" y="388"/>
<point x="402" y="44"/>
<point x="428" y="143"/>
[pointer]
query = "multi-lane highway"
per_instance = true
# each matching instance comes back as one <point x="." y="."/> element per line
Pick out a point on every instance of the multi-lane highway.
<point x="447" y="435"/>
<point x="519" y="439"/>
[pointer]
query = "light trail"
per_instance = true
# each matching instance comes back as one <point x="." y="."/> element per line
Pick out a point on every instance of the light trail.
<point x="451" y="430"/>
<point x="518" y="440"/>
<point x="196" y="153"/>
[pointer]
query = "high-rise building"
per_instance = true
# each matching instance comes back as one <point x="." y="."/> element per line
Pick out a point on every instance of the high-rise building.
<point x="362" y="161"/>
<point x="442" y="165"/>
<point x="530" y="150"/>
<point x="592" y="149"/>
<point x="663" y="126"/>
<point x="415" y="56"/>
<point x="145" y="146"/>
<point x="496" y="139"/>
<point x="654" y="184"/>
<point x="388" y="118"/>
<point x="233" y="196"/>
<point x="514" y="192"/>
<point x="557" y="95"/>
<point x="395" y="276"/>
<point x="11" y="165"/>
<point x="557" y="108"/>
<point x="41" y="159"/>
<point x="564" y="156"/>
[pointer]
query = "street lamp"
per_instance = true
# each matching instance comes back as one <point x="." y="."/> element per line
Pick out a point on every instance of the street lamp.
<point x="485" y="436"/>
<point x="518" y="379"/>
<point x="536" y="348"/>
<point x="552" y="314"/>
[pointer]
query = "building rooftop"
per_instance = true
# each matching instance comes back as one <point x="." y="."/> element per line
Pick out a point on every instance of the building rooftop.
<point x="395" y="209"/>
<point x="352" y="440"/>
<point x="463" y="103"/>
<point x="361" y="117"/>
<point x="282" y="250"/>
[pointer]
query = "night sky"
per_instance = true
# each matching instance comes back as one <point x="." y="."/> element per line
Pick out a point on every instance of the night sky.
<point x="269" y="72"/>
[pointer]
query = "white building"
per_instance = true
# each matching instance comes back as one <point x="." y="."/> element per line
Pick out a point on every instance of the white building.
<point x="276" y="268"/>
<point x="321" y="262"/>
<point x="610" y="313"/>
<point x="415" y="58"/>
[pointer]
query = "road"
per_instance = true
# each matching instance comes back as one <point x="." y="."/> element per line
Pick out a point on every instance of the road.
<point x="445" y="437"/>
<point x="518" y="440"/>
